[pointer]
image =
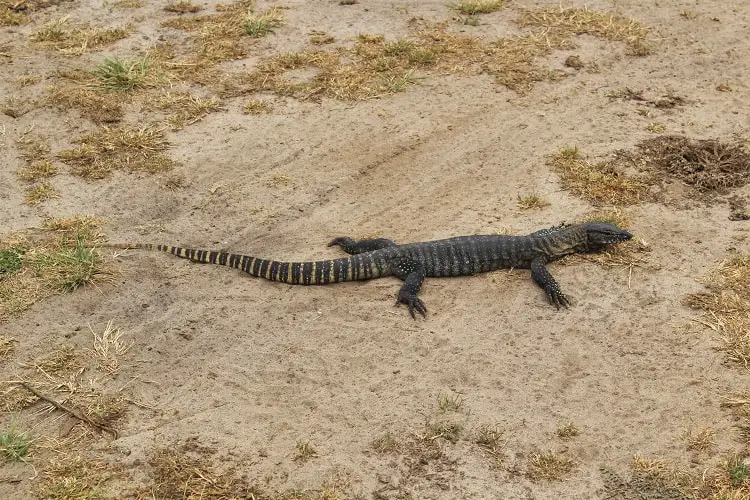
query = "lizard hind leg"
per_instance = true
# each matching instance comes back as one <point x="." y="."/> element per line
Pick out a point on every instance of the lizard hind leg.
<point x="352" y="247"/>
<point x="413" y="275"/>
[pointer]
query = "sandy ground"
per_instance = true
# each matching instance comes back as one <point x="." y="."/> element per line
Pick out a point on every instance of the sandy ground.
<point x="252" y="369"/>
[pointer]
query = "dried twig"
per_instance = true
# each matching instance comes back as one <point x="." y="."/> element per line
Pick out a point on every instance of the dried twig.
<point x="70" y="411"/>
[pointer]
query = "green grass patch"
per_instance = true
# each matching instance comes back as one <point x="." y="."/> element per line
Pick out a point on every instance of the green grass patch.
<point x="10" y="260"/>
<point x="14" y="446"/>
<point x="122" y="75"/>
<point x="259" y="25"/>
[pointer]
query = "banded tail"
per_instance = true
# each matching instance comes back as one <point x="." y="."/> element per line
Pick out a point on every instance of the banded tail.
<point x="353" y="268"/>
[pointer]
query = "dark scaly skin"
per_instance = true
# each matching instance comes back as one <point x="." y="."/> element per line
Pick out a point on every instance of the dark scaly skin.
<point x="413" y="262"/>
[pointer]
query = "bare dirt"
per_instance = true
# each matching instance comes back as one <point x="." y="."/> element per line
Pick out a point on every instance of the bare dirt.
<point x="252" y="370"/>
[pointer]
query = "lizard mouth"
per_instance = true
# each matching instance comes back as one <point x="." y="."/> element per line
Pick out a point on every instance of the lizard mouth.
<point x="616" y="238"/>
<point x="610" y="239"/>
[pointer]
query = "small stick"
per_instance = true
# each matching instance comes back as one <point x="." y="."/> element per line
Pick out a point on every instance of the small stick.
<point x="70" y="411"/>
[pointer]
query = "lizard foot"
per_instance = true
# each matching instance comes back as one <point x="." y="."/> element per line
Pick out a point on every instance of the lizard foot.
<point x="557" y="298"/>
<point x="414" y="303"/>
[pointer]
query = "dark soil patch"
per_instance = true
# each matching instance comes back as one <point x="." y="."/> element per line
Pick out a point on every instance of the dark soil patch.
<point x="708" y="165"/>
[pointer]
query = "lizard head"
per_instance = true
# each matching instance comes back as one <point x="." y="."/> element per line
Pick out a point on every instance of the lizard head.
<point x="601" y="234"/>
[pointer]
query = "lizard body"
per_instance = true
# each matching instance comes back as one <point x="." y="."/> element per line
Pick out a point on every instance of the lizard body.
<point x="413" y="262"/>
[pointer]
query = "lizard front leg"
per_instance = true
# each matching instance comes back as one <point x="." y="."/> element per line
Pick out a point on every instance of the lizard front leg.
<point x="544" y="279"/>
<point x="352" y="247"/>
<point x="413" y="275"/>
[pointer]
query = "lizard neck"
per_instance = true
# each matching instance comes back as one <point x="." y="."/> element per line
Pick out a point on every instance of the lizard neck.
<point x="565" y="242"/>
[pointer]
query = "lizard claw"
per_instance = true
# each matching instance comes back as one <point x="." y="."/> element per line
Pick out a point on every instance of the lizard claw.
<point x="414" y="303"/>
<point x="557" y="298"/>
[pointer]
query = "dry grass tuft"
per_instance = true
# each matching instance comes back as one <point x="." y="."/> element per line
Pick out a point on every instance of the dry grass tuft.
<point x="218" y="37"/>
<point x="531" y="201"/>
<point x="73" y="477"/>
<point x="613" y="215"/>
<point x="491" y="440"/>
<point x="656" y="128"/>
<point x="108" y="347"/>
<point x="651" y="479"/>
<point x="75" y="41"/>
<point x="321" y="38"/>
<point x="448" y="403"/>
<point x="38" y="193"/>
<point x="655" y="479"/>
<point x="101" y="408"/>
<point x="578" y="21"/>
<point x="34" y="171"/>
<point x="13" y="399"/>
<point x="567" y="430"/>
<point x="38" y="168"/>
<point x="128" y="4"/>
<point x="443" y="429"/>
<point x="548" y="466"/>
<point x="473" y="7"/>
<point x="387" y="443"/>
<point x="304" y="451"/>
<point x="185" y="472"/>
<point x="373" y="67"/>
<point x="699" y="440"/>
<point x="16" y="107"/>
<point x="182" y="7"/>
<point x="727" y="306"/>
<point x="185" y="108"/>
<point x="657" y="475"/>
<point x="11" y="17"/>
<point x="422" y="452"/>
<point x="32" y="149"/>
<point x="28" y="79"/>
<point x="707" y="165"/>
<point x="6" y="343"/>
<point x="730" y="480"/>
<point x="107" y="149"/>
<point x="59" y="360"/>
<point x="256" y="107"/>
<point x="47" y="262"/>
<point x="601" y="183"/>
<point x="101" y="108"/>
<point x="376" y="67"/>
<point x="667" y="100"/>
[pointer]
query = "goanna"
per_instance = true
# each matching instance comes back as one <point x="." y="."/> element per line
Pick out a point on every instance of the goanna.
<point x="413" y="262"/>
